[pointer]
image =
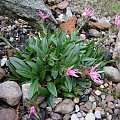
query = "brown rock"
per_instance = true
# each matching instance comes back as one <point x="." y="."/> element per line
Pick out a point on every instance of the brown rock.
<point x="101" y="26"/>
<point x="2" y="73"/>
<point x="7" y="114"/>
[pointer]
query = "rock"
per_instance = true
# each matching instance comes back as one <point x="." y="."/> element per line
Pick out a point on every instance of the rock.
<point x="77" y="108"/>
<point x="94" y="105"/>
<point x="88" y="105"/>
<point x="40" y="99"/>
<point x="101" y="26"/>
<point x="79" y="114"/>
<point x="25" y="91"/>
<point x="97" y="114"/>
<point x="94" y="32"/>
<point x="111" y="105"/>
<point x="74" y="117"/>
<point x="66" y="106"/>
<point x="112" y="73"/>
<point x="98" y="92"/>
<point x="26" y="9"/>
<point x="56" y="116"/>
<point x="118" y="90"/>
<point x="10" y="92"/>
<point x="57" y="100"/>
<point x="91" y="98"/>
<point x="7" y="114"/>
<point x="109" y="98"/>
<point x="43" y="105"/>
<point x="90" y="116"/>
<point x="66" y="117"/>
<point x="3" y="61"/>
<point x="76" y="100"/>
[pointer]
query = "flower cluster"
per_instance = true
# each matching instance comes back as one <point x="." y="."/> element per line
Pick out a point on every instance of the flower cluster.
<point x="88" y="12"/>
<point x="95" y="75"/>
<point x="117" y="20"/>
<point x="43" y="15"/>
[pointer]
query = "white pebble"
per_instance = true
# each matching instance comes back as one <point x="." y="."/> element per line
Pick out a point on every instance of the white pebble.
<point x="90" y="116"/>
<point x="74" y="117"/>
<point x="98" y="114"/>
<point x="98" y="92"/>
<point x="3" y="61"/>
<point x="77" y="108"/>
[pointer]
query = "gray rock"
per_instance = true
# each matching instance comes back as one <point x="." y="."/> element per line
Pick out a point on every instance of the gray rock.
<point x="7" y="114"/>
<point x="26" y="9"/>
<point x="66" y="106"/>
<point x="94" y="32"/>
<point x="112" y="73"/>
<point x="66" y="117"/>
<point x="10" y="92"/>
<point x="25" y="91"/>
<point x="74" y="117"/>
<point x="118" y="90"/>
<point x="56" y="116"/>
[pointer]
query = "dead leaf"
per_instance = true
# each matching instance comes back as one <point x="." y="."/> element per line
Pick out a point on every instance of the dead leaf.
<point x="9" y="53"/>
<point x="2" y="73"/>
<point x="100" y="26"/>
<point x="69" y="26"/>
<point x="61" y="5"/>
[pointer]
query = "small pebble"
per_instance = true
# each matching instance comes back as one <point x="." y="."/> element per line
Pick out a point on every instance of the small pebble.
<point x="76" y="100"/>
<point x="97" y="114"/>
<point x="77" y="108"/>
<point x="91" y="98"/>
<point x="79" y="114"/>
<point x="98" y="92"/>
<point x="74" y="117"/>
<point x="90" y="116"/>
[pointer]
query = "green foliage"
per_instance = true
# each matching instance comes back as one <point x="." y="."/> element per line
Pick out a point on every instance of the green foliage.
<point x="45" y="59"/>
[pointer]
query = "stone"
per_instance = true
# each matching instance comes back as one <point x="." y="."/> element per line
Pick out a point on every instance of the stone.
<point x="94" y="105"/>
<point x="103" y="97"/>
<point x="40" y="99"/>
<point x="10" y="92"/>
<point x="112" y="73"/>
<point x="79" y="114"/>
<point x="94" y="32"/>
<point x="90" y="116"/>
<point x="91" y="98"/>
<point x="43" y="105"/>
<point x="111" y="105"/>
<point x="7" y="114"/>
<point x="97" y="114"/>
<point x="25" y="91"/>
<point x="74" y="117"/>
<point x="77" y="108"/>
<point x="98" y="92"/>
<point x="66" y="117"/>
<point x="88" y="105"/>
<point x="66" y="106"/>
<point x="26" y="9"/>
<point x="76" y="100"/>
<point x="118" y="90"/>
<point x="109" y="98"/>
<point x="57" y="100"/>
<point x="3" y="61"/>
<point x="56" y="116"/>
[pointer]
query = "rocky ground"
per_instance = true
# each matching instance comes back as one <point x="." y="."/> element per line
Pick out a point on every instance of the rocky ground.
<point x="96" y="103"/>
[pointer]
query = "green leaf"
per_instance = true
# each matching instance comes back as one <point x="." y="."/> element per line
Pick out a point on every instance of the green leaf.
<point x="25" y="73"/>
<point x="70" y="95"/>
<point x="18" y="63"/>
<point x="54" y="73"/>
<point x="43" y="91"/>
<point x="52" y="89"/>
<point x="33" y="88"/>
<point x="68" y="83"/>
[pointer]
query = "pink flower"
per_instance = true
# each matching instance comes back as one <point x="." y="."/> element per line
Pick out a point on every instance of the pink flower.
<point x="95" y="76"/>
<point x="32" y="110"/>
<point x="88" y="12"/>
<point x="70" y="72"/>
<point x="117" y="20"/>
<point x="43" y="15"/>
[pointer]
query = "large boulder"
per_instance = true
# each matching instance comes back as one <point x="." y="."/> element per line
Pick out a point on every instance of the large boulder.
<point x="25" y="9"/>
<point x="10" y="92"/>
